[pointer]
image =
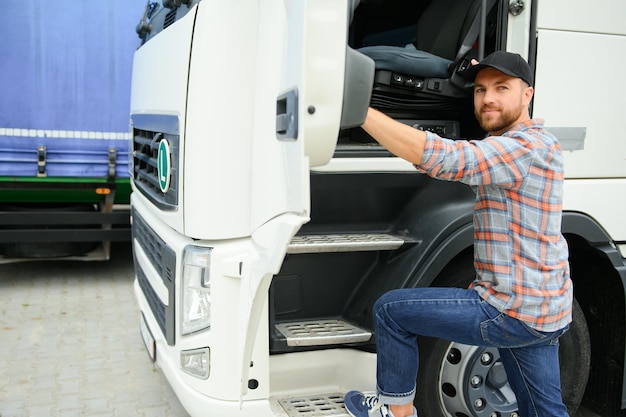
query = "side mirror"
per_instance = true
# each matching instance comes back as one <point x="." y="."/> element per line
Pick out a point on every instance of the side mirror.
<point x="357" y="88"/>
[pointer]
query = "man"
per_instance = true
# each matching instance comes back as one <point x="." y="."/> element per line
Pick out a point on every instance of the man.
<point x="521" y="300"/>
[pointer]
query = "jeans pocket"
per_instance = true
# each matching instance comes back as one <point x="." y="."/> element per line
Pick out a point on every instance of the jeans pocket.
<point x="504" y="331"/>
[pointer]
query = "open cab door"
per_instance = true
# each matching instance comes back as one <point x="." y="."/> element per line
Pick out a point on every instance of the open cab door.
<point x="320" y="87"/>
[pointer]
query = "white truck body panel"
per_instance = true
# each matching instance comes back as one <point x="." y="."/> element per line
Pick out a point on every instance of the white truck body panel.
<point x="583" y="16"/>
<point x="578" y="70"/>
<point x="216" y="94"/>
<point x="564" y="94"/>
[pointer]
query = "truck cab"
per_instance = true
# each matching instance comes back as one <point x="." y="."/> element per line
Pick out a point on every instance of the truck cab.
<point x="266" y="222"/>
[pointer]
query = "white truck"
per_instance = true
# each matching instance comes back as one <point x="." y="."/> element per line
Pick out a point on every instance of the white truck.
<point x="266" y="222"/>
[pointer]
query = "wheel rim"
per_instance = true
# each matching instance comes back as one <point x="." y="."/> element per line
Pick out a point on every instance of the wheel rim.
<point x="472" y="382"/>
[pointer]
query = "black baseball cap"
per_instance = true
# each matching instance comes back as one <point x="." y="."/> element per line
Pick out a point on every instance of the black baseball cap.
<point x="506" y="62"/>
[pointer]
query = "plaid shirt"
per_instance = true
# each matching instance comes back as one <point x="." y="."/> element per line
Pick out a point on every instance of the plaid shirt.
<point x="520" y="255"/>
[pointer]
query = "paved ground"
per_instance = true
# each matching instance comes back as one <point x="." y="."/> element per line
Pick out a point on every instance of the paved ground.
<point x="70" y="344"/>
<point x="69" y="337"/>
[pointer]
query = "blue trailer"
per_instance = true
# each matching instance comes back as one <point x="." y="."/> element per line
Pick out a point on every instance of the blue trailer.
<point x="64" y="127"/>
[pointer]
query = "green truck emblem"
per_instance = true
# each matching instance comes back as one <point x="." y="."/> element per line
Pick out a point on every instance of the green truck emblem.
<point x="163" y="165"/>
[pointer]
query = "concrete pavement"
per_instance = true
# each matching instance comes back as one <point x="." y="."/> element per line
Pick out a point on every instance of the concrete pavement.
<point x="70" y="343"/>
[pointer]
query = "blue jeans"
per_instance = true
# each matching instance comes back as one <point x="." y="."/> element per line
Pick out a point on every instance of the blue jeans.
<point x="530" y="357"/>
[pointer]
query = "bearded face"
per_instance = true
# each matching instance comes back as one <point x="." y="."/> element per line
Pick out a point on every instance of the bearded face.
<point x="495" y="118"/>
<point x="500" y="101"/>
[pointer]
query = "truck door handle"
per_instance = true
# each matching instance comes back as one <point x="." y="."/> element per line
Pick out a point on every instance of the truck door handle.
<point x="287" y="115"/>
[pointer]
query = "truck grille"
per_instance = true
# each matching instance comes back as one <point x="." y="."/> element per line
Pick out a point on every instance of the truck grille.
<point x="163" y="259"/>
<point x="145" y="172"/>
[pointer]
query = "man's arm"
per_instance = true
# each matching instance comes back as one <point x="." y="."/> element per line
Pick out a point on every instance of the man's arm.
<point x="401" y="140"/>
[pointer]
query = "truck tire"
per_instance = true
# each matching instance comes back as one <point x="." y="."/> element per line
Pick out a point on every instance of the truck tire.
<point x="447" y="368"/>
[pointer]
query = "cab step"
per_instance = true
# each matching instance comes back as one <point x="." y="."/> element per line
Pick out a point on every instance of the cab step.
<point x="351" y="242"/>
<point x="322" y="332"/>
<point x="327" y="405"/>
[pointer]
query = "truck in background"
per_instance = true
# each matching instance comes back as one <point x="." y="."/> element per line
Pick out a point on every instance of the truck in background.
<point x="65" y="82"/>
<point x="266" y="223"/>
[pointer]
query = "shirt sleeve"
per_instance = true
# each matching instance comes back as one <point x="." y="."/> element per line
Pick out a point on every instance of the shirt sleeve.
<point x="496" y="160"/>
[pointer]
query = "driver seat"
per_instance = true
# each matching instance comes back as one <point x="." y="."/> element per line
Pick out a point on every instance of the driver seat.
<point x="428" y="67"/>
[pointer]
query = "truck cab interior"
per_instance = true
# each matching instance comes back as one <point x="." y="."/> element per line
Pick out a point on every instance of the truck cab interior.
<point x="420" y="50"/>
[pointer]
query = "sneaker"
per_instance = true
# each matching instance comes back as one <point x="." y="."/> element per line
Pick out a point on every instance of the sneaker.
<point x="360" y="405"/>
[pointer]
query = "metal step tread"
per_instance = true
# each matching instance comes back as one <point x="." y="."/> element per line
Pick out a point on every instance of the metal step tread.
<point x="349" y="242"/>
<point x="327" y="405"/>
<point x="322" y="332"/>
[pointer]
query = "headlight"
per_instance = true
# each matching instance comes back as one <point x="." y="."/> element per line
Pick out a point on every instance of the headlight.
<point x="196" y="291"/>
